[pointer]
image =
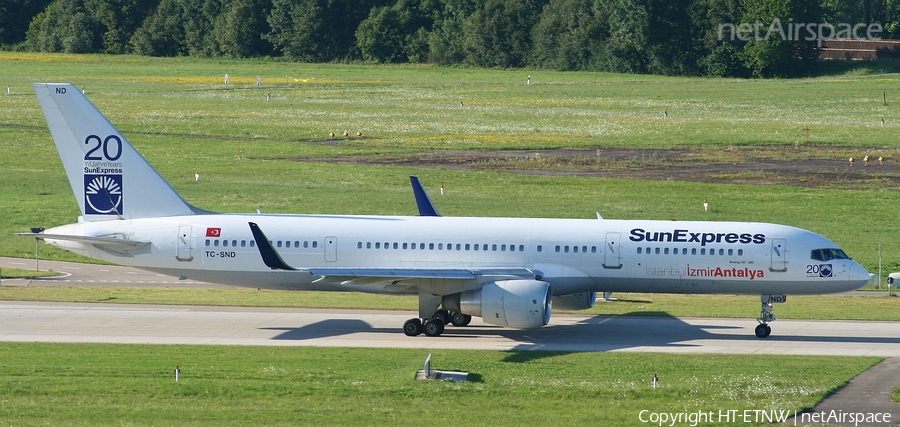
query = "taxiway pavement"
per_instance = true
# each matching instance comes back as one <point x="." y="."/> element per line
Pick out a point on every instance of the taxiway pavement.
<point x="156" y="324"/>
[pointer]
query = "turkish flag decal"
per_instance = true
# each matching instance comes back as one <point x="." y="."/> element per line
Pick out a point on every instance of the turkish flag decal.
<point x="213" y="232"/>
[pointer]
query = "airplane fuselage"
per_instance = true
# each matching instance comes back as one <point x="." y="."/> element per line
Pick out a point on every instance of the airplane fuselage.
<point x="504" y="270"/>
<point x="573" y="255"/>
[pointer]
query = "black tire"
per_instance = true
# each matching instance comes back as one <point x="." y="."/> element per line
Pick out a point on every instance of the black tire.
<point x="442" y="315"/>
<point x="412" y="327"/>
<point x="433" y="327"/>
<point x="459" y="319"/>
<point x="763" y="330"/>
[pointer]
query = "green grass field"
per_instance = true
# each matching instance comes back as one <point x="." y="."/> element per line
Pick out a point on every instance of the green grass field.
<point x="251" y="154"/>
<point x="93" y="384"/>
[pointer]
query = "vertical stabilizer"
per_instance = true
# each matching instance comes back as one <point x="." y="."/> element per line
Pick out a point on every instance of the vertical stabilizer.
<point x="109" y="177"/>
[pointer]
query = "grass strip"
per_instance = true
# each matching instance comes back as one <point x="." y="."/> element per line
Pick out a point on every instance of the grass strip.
<point x="97" y="384"/>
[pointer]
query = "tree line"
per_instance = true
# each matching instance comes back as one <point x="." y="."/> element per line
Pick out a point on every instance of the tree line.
<point x="672" y="37"/>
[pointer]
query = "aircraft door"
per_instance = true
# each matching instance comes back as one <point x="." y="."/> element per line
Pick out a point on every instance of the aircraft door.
<point x="612" y="257"/>
<point x="183" y="244"/>
<point x="331" y="249"/>
<point x="779" y="255"/>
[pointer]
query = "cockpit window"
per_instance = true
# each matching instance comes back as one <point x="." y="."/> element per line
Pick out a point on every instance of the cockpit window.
<point x="828" y="254"/>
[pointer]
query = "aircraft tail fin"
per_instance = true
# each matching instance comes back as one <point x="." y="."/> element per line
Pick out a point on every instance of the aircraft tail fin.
<point x="109" y="177"/>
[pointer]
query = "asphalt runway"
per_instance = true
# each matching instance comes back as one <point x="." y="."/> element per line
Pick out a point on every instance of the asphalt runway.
<point x="147" y="324"/>
<point x="151" y="324"/>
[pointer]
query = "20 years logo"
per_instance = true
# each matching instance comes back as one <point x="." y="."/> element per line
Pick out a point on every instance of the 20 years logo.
<point x="103" y="183"/>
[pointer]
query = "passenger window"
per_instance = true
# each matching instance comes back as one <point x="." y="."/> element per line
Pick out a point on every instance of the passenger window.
<point x="521" y="248"/>
<point x="657" y="251"/>
<point x="494" y="247"/>
<point x="566" y="248"/>
<point x="693" y="251"/>
<point x="431" y="246"/>
<point x="593" y="249"/>
<point x="666" y="251"/>
<point x="740" y="252"/>
<point x="207" y="242"/>
<point x="215" y="243"/>
<point x="243" y="243"/>
<point x="315" y="244"/>
<point x="405" y="245"/>
<point x="225" y="243"/>
<point x="396" y="245"/>
<point x="721" y="252"/>
<point x="253" y="243"/>
<point x="639" y="250"/>
<point x="575" y="249"/>
<point x="540" y="248"/>
<point x="730" y="252"/>
<point x="358" y="245"/>
<point x="368" y="245"/>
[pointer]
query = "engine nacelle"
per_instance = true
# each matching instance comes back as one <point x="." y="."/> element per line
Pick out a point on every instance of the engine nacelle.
<point x="520" y="304"/>
<point x="579" y="301"/>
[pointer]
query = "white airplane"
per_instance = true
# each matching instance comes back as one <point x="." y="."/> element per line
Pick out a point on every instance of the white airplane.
<point x="504" y="270"/>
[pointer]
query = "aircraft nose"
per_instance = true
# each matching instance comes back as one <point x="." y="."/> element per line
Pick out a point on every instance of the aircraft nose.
<point x="859" y="274"/>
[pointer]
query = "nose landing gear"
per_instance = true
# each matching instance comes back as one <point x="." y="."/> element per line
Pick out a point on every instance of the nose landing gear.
<point x="763" y="330"/>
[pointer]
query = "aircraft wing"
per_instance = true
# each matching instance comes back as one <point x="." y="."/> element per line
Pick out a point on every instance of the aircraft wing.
<point x="115" y="241"/>
<point x="352" y="274"/>
<point x="423" y="201"/>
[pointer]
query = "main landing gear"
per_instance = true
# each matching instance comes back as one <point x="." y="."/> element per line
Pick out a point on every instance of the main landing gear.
<point x="434" y="326"/>
<point x="763" y="330"/>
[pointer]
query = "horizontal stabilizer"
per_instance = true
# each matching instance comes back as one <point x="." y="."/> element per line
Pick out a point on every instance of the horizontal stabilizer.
<point x="120" y="241"/>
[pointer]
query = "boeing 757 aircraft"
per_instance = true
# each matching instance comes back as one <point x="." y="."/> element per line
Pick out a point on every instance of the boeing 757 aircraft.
<point x="504" y="270"/>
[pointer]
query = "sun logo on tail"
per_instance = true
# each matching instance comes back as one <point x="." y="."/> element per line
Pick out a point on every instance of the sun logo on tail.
<point x="103" y="194"/>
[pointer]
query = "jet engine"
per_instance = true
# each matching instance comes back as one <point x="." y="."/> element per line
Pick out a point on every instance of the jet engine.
<point x="521" y="304"/>
<point x="579" y="301"/>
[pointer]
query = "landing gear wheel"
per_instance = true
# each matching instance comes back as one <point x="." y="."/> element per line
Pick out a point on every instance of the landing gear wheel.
<point x="412" y="327"/>
<point x="433" y="327"/>
<point x="442" y="315"/>
<point x="763" y="330"/>
<point x="459" y="319"/>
